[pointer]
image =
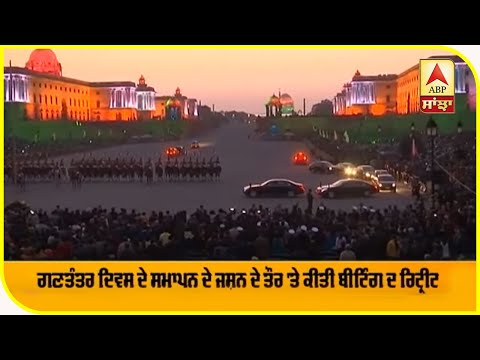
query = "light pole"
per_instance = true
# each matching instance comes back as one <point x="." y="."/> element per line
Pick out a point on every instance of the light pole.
<point x="459" y="127"/>
<point x="432" y="132"/>
<point x="412" y="130"/>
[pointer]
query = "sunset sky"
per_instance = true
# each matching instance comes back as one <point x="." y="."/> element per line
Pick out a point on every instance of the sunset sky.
<point x="233" y="79"/>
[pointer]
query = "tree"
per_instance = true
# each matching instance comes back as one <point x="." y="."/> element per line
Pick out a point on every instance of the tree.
<point x="325" y="107"/>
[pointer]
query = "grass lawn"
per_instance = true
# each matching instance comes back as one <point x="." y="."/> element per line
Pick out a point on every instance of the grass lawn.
<point x="67" y="130"/>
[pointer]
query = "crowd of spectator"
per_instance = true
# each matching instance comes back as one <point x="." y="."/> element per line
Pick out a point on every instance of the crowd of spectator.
<point x="414" y="233"/>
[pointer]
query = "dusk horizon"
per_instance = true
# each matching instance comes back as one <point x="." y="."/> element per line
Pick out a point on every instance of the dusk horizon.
<point x="233" y="79"/>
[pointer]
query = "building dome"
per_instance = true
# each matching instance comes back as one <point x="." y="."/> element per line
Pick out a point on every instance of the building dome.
<point x="286" y="99"/>
<point x="44" y="61"/>
<point x="273" y="100"/>
<point x="173" y="102"/>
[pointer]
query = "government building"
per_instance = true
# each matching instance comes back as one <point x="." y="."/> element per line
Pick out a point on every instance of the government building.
<point x="48" y="95"/>
<point x="397" y="93"/>
<point x="281" y="105"/>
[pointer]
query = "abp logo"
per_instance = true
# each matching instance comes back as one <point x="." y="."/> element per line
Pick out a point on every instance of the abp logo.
<point x="437" y="86"/>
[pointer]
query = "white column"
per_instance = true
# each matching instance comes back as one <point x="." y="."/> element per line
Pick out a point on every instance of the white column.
<point x="20" y="90"/>
<point x="112" y="98"/>
<point x="25" y="89"/>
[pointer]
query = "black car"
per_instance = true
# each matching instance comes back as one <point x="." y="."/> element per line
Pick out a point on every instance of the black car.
<point x="322" y="167"/>
<point x="385" y="182"/>
<point x="347" y="188"/>
<point x="274" y="188"/>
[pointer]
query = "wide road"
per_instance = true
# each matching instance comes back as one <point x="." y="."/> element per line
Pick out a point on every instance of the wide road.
<point x="243" y="161"/>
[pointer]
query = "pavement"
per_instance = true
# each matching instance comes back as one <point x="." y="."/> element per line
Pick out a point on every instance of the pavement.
<point x="243" y="161"/>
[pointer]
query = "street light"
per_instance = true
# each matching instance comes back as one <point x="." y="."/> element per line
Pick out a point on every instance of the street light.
<point x="432" y="132"/>
<point x="459" y="127"/>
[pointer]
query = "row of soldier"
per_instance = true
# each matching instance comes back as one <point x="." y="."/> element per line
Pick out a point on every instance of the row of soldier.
<point x="34" y="171"/>
<point x="119" y="169"/>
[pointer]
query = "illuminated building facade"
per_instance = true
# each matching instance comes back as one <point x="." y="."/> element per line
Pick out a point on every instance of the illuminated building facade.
<point x="281" y="105"/>
<point x="383" y="94"/>
<point x="175" y="107"/>
<point x="48" y="95"/>
<point x="367" y="95"/>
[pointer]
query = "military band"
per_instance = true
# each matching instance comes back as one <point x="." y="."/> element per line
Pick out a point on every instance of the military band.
<point x="120" y="169"/>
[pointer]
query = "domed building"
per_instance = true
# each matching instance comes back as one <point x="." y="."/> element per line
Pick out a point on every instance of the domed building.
<point x="287" y="104"/>
<point x="45" y="94"/>
<point x="44" y="61"/>
<point x="145" y="99"/>
<point x="272" y="107"/>
<point x="177" y="107"/>
<point x="281" y="105"/>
